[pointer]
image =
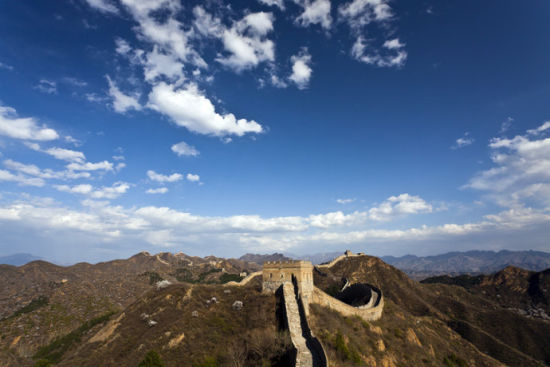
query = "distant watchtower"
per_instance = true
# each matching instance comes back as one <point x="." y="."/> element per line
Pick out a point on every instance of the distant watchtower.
<point x="276" y="273"/>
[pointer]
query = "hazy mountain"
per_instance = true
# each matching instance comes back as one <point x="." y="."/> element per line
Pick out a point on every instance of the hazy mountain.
<point x="470" y="262"/>
<point x="260" y="259"/>
<point x="18" y="259"/>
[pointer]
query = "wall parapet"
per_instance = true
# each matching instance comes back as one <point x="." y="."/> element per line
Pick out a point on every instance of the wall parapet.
<point x="372" y="313"/>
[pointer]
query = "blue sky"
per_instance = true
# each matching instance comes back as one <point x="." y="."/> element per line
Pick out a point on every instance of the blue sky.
<point x="300" y="126"/>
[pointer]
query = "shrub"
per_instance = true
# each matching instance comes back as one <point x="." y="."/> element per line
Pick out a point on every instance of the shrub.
<point x="152" y="359"/>
<point x="226" y="277"/>
<point x="53" y="352"/>
<point x="453" y="361"/>
<point x="35" y="304"/>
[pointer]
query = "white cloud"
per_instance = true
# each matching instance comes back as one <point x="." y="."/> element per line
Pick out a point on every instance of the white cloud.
<point x="161" y="226"/>
<point x="506" y="125"/>
<point x="395" y="57"/>
<point x="158" y="64"/>
<point x="182" y="148"/>
<point x="6" y="66"/>
<point x="48" y="174"/>
<point x="345" y="201"/>
<point x="463" y="141"/>
<point x="278" y="3"/>
<point x="23" y="128"/>
<point x="46" y="86"/>
<point x="545" y="126"/>
<point x="164" y="178"/>
<point x="74" y="81"/>
<point x="122" y="46"/>
<point x="206" y="24"/>
<point x="193" y="178"/>
<point x="169" y="35"/>
<point x="393" y="44"/>
<point x="20" y="179"/>
<point x="521" y="172"/>
<point x="187" y="107"/>
<point x="105" y="192"/>
<point x="315" y="12"/>
<point x="301" y="69"/>
<point x="89" y="166"/>
<point x="359" y="14"/>
<point x="247" y="43"/>
<point x="66" y="154"/>
<point x="400" y="205"/>
<point x="160" y="190"/>
<point x="104" y="6"/>
<point x="122" y="102"/>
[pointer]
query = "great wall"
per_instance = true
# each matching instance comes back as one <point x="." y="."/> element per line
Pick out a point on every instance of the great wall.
<point x="293" y="281"/>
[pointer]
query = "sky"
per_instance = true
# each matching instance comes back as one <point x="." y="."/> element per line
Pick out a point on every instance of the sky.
<point x="296" y="126"/>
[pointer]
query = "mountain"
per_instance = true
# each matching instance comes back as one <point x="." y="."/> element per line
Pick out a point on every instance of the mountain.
<point x="470" y="262"/>
<point x="40" y="301"/>
<point x="260" y="259"/>
<point x="18" y="259"/>
<point x="117" y="314"/>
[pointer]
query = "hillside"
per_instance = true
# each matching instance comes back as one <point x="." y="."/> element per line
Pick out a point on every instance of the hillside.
<point x="114" y="313"/>
<point x="490" y="326"/>
<point x="41" y="301"/>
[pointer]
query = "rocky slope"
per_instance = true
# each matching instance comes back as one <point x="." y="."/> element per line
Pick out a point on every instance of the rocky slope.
<point x="114" y="314"/>
<point x="41" y="301"/>
<point x="492" y="327"/>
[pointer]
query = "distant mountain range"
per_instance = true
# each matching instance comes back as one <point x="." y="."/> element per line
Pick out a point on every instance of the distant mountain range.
<point x="420" y="267"/>
<point x="470" y="262"/>
<point x="18" y="259"/>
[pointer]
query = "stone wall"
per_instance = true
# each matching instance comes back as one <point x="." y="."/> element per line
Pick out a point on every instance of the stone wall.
<point x="367" y="313"/>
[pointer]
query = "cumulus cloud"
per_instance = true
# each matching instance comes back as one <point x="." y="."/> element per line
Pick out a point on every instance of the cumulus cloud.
<point x="193" y="178"/>
<point x="25" y="128"/>
<point x="189" y="108"/>
<point x="160" y="190"/>
<point x="278" y="3"/>
<point x="122" y="102"/>
<point x="463" y="141"/>
<point x="315" y="12"/>
<point x="182" y="148"/>
<point x="168" y="35"/>
<point x="164" y="178"/>
<point x="246" y="42"/>
<point x="122" y="46"/>
<point x="105" y="192"/>
<point x="521" y="169"/>
<point x="370" y="55"/>
<point x="48" y="174"/>
<point x="301" y="69"/>
<point x="101" y="222"/>
<point x="360" y="14"/>
<point x="20" y="179"/>
<point x="89" y="166"/>
<point x="400" y="205"/>
<point x="158" y="63"/>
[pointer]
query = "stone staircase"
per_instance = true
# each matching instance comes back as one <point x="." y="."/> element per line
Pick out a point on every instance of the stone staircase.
<point x="304" y="357"/>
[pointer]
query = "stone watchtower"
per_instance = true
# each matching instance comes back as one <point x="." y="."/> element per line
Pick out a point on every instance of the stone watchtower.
<point x="276" y="273"/>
